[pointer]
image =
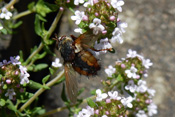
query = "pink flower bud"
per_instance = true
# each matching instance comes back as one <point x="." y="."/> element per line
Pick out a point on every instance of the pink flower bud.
<point x="107" y="112"/>
<point x="97" y="112"/>
<point x="85" y="18"/>
<point x="123" y="66"/>
<point x="112" y="18"/>
<point x="96" y="14"/>
<point x="8" y="81"/>
<point x="108" y="100"/>
<point x="21" y="90"/>
<point x="61" y="8"/>
<point x="104" y="31"/>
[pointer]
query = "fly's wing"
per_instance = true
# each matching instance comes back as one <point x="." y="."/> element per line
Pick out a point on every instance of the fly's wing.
<point x="86" y="38"/>
<point x="71" y="82"/>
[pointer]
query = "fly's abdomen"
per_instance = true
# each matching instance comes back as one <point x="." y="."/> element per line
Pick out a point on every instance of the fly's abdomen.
<point x="85" y="63"/>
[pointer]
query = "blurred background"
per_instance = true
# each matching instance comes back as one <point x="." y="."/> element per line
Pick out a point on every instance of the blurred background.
<point x="151" y="32"/>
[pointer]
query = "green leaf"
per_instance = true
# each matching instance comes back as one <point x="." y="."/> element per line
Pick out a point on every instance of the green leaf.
<point x="42" y="8"/>
<point x="37" y="25"/>
<point x="63" y="94"/>
<point x="91" y="103"/>
<point x="40" y="66"/>
<point x="93" y="92"/>
<point x="35" y="85"/>
<point x="51" y="70"/>
<point x="38" y="111"/>
<point x="81" y="91"/>
<point x="119" y="78"/>
<point x="2" y="102"/>
<point x="21" y="56"/>
<point x="17" y="24"/>
<point x="46" y="87"/>
<point x="53" y="7"/>
<point x="31" y="6"/>
<point x="45" y="79"/>
<point x="11" y="106"/>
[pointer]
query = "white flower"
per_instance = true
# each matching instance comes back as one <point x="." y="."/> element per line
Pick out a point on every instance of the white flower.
<point x="100" y="95"/>
<point x="78" y="30"/>
<point x="23" y="75"/>
<point x="15" y="61"/>
<point x="151" y="92"/>
<point x="78" y="16"/>
<point x="117" y="36"/>
<point x="117" y="4"/>
<point x="114" y="95"/>
<point x="152" y="109"/>
<point x="147" y="63"/>
<point x="10" y="93"/>
<point x="104" y="44"/>
<point x="131" y="73"/>
<point x="77" y="2"/>
<point x="110" y="70"/>
<point x="122" y="26"/>
<point x="104" y="116"/>
<point x="142" y="86"/>
<point x="131" y="86"/>
<point x="5" y="14"/>
<point x="127" y="102"/>
<point x="56" y="63"/>
<point x="141" y="113"/>
<point x="86" y="112"/>
<point x="96" y="26"/>
<point x="131" y="54"/>
<point x="89" y="2"/>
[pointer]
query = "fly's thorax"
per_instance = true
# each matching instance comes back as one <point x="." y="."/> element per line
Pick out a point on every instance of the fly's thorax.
<point x="66" y="48"/>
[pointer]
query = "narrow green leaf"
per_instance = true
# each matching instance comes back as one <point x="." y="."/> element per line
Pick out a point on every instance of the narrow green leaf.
<point x="45" y="79"/>
<point x="17" y="24"/>
<point x="46" y="87"/>
<point x="81" y="91"/>
<point x="37" y="25"/>
<point x="40" y="66"/>
<point x="90" y="102"/>
<point x="35" y="85"/>
<point x="2" y="102"/>
<point x="51" y="71"/>
<point x="93" y="92"/>
<point x="63" y="94"/>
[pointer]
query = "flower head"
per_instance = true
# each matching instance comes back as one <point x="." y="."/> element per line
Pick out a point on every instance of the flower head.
<point x="114" y="95"/>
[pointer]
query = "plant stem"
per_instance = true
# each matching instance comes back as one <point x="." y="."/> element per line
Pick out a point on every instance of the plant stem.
<point x="49" y="84"/>
<point x="50" y="31"/>
<point x="63" y="108"/>
<point x="22" y="14"/>
<point x="11" y="3"/>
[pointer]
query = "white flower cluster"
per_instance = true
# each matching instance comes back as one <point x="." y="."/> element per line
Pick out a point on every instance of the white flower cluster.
<point x="96" y="24"/>
<point x="145" y="62"/>
<point x="5" y="14"/>
<point x="111" y="95"/>
<point x="23" y="70"/>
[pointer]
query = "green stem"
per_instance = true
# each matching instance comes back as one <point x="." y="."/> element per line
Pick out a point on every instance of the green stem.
<point x="50" y="31"/>
<point x="22" y="14"/>
<point x="49" y="84"/>
<point x="11" y="3"/>
<point x="63" y="108"/>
